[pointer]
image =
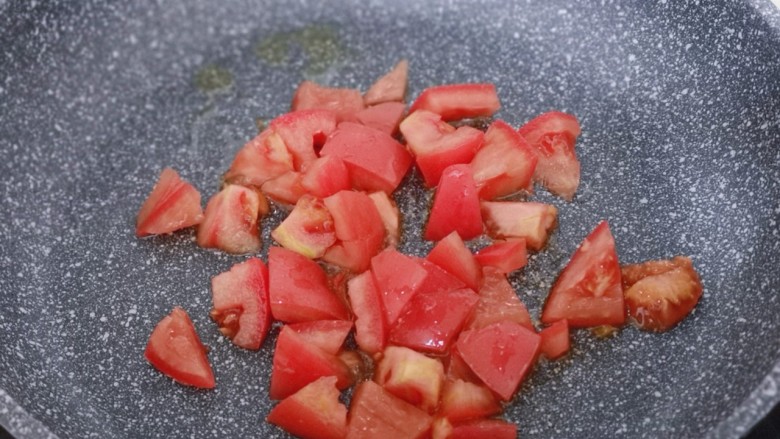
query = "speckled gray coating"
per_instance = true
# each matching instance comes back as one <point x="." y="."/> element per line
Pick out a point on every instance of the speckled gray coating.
<point x="680" y="109"/>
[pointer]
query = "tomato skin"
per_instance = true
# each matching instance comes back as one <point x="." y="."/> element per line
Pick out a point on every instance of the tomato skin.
<point x="552" y="136"/>
<point x="173" y="204"/>
<point x="411" y="376"/>
<point x="660" y="294"/>
<point x="297" y="363"/>
<point x="398" y="277"/>
<point x="464" y="400"/>
<point x="484" y="429"/>
<point x="359" y="230"/>
<point x="501" y="355"/>
<point x="328" y="335"/>
<point x="231" y="220"/>
<point x="389" y="88"/>
<point x="375" y="160"/>
<point x="505" y="164"/>
<point x="459" y="101"/>
<point x="555" y="340"/>
<point x="343" y="102"/>
<point x="308" y="229"/>
<point x="588" y="292"/>
<point x="370" y="322"/>
<point x="175" y="349"/>
<point x="385" y="117"/>
<point x="498" y="302"/>
<point x="314" y="412"/>
<point x="374" y="413"/>
<point x="299" y="289"/>
<point x="263" y="158"/>
<point x="455" y="206"/>
<point x="504" y="256"/>
<point x="517" y="219"/>
<point x="437" y="144"/>
<point x="326" y="176"/>
<point x="430" y="322"/>
<point x="453" y="256"/>
<point x="438" y="279"/>
<point x="241" y="303"/>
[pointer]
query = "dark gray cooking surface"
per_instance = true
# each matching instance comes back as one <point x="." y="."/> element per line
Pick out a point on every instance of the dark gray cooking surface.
<point x="680" y="108"/>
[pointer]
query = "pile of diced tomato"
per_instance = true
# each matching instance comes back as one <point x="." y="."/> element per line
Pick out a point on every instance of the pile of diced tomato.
<point x="442" y="341"/>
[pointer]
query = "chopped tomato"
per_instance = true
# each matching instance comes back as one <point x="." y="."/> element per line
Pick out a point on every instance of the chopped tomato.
<point x="498" y="302"/>
<point x="376" y="413"/>
<point x="501" y="355"/>
<point x="455" y="206"/>
<point x="286" y="188"/>
<point x="297" y="363"/>
<point x="314" y="412"/>
<point x="376" y="161"/>
<point x="463" y="400"/>
<point x="553" y="135"/>
<point x="370" y="325"/>
<point x="516" y="219"/>
<point x="504" y="256"/>
<point x="457" y="369"/>
<point x="438" y="279"/>
<point x="263" y="158"/>
<point x="441" y="428"/>
<point x="659" y="294"/>
<point x="452" y="255"/>
<point x="299" y="289"/>
<point x="231" y="220"/>
<point x="588" y="291"/>
<point x="359" y="230"/>
<point x="391" y="216"/>
<point x="328" y="335"/>
<point x="411" y="376"/>
<point x="173" y="204"/>
<point x="390" y="87"/>
<point x="385" y="117"/>
<point x="175" y="350"/>
<point x="326" y="176"/>
<point x="241" y="303"/>
<point x="344" y="102"/>
<point x="555" y="340"/>
<point x="308" y="229"/>
<point x="459" y="101"/>
<point x="505" y="164"/>
<point x="398" y="278"/>
<point x="484" y="429"/>
<point x="303" y="133"/>
<point x="437" y="144"/>
<point x="430" y="322"/>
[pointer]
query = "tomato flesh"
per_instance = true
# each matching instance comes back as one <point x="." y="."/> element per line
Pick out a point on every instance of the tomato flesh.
<point x="437" y="144"/>
<point x="555" y="340"/>
<point x="398" y="278"/>
<point x="286" y="188"/>
<point x="588" y="292"/>
<point x="359" y="230"/>
<point x="241" y="303"/>
<point x="505" y="164"/>
<point x="660" y="294"/>
<point x="326" y="176"/>
<point x="453" y="256"/>
<point x="459" y="101"/>
<point x="455" y="206"/>
<point x="343" y="102"/>
<point x="389" y="88"/>
<point x="391" y="216"/>
<point x="231" y="220"/>
<point x="376" y="161"/>
<point x="314" y="412"/>
<point x="263" y="158"/>
<point x="552" y="136"/>
<point x="299" y="289"/>
<point x="463" y="400"/>
<point x="370" y="320"/>
<point x="375" y="413"/>
<point x="175" y="349"/>
<point x="308" y="229"/>
<point x="484" y="429"/>
<point x="411" y="376"/>
<point x="501" y="355"/>
<point x="504" y="256"/>
<point x="498" y="302"/>
<point x="173" y="204"/>
<point x="328" y="335"/>
<point x="516" y="219"/>
<point x="438" y="279"/>
<point x="301" y="131"/>
<point x="385" y="117"/>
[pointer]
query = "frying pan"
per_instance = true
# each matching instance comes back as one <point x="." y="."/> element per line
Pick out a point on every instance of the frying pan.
<point x="680" y="107"/>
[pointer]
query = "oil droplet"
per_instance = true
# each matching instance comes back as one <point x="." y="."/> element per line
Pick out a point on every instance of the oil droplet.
<point x="319" y="43"/>
<point x="212" y="77"/>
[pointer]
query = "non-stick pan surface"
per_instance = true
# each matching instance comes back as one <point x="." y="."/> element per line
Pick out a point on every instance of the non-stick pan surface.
<point x="680" y="108"/>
